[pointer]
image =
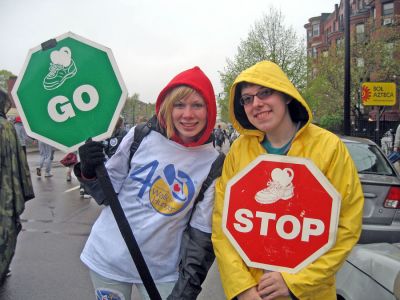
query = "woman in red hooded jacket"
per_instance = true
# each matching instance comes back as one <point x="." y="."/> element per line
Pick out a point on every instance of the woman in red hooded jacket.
<point x="157" y="189"/>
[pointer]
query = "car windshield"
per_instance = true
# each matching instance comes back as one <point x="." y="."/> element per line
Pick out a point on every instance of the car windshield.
<point x="369" y="160"/>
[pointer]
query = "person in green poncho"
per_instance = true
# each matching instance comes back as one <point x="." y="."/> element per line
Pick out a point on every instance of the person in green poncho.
<point x="15" y="187"/>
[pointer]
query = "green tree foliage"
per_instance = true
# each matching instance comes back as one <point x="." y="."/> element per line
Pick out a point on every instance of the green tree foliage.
<point x="144" y="111"/>
<point x="129" y="111"/>
<point x="324" y="92"/>
<point x="332" y="122"/>
<point x="4" y="75"/>
<point x="269" y="39"/>
<point x="136" y="111"/>
<point x="379" y="51"/>
<point x="222" y="102"/>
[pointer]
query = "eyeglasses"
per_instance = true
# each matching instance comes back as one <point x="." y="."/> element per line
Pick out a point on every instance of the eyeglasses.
<point x="262" y="94"/>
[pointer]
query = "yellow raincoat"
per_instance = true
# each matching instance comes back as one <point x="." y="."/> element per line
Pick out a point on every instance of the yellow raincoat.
<point x="329" y="154"/>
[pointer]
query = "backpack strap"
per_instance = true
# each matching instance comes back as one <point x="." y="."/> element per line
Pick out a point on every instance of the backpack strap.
<point x="141" y="130"/>
<point x="215" y="172"/>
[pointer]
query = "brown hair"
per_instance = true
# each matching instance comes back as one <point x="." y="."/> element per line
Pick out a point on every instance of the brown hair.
<point x="165" y="113"/>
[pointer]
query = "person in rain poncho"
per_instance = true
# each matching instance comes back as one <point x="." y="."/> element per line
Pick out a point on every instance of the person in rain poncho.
<point x="15" y="187"/>
<point x="272" y="117"/>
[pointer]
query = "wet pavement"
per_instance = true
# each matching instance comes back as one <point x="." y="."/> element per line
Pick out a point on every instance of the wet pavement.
<point x="56" y="224"/>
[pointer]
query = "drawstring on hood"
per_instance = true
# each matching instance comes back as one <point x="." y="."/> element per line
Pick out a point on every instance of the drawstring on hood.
<point x="197" y="80"/>
<point x="267" y="74"/>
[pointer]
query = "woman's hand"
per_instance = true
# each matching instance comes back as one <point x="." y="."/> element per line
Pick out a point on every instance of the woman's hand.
<point x="271" y="286"/>
<point x="250" y="294"/>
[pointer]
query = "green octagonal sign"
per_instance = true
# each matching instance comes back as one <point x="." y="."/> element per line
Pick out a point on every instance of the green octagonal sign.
<point x="69" y="89"/>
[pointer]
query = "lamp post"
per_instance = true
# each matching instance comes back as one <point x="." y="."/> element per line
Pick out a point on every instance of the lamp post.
<point x="347" y="77"/>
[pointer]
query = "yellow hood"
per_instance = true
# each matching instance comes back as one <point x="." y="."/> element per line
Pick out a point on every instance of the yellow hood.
<point x="267" y="74"/>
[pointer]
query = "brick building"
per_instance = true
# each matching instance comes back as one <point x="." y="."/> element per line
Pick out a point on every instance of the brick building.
<point x="369" y="20"/>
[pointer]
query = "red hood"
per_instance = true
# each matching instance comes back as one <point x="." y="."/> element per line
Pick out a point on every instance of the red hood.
<point x="196" y="79"/>
<point x="18" y="119"/>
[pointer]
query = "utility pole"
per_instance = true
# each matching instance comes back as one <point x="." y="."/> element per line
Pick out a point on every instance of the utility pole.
<point x="347" y="77"/>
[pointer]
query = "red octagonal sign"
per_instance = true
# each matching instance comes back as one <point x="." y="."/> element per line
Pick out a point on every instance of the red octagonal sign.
<point x="281" y="213"/>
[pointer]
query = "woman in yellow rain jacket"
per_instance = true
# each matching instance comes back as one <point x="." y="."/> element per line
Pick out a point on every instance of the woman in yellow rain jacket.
<point x="272" y="117"/>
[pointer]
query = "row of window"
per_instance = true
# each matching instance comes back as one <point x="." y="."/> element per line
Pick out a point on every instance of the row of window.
<point x="313" y="52"/>
<point x="387" y="10"/>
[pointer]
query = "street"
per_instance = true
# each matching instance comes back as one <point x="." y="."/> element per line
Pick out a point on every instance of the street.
<point x="56" y="225"/>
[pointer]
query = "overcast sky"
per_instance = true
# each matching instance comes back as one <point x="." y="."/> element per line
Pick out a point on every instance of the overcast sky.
<point x="151" y="40"/>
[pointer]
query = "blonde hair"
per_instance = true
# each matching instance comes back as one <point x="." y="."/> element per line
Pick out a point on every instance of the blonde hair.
<point x="165" y="113"/>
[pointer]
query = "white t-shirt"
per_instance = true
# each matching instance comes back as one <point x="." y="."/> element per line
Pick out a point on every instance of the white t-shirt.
<point x="157" y="198"/>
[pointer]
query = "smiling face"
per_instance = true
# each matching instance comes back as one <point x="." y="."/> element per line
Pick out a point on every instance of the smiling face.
<point x="189" y="116"/>
<point x="271" y="114"/>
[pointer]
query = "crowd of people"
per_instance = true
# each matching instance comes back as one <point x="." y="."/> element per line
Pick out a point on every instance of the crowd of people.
<point x="222" y="136"/>
<point x="173" y="205"/>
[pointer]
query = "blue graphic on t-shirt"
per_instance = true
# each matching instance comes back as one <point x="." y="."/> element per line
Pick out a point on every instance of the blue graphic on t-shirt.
<point x="174" y="182"/>
<point x="168" y="194"/>
<point x="137" y="175"/>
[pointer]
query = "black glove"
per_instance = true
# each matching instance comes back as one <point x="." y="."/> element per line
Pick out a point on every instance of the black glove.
<point x="197" y="256"/>
<point x="91" y="155"/>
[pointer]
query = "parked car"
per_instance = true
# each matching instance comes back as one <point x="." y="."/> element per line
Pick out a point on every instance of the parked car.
<point x="381" y="187"/>
<point x="371" y="272"/>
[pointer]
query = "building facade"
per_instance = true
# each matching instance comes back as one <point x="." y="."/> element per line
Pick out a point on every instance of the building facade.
<point x="370" y="21"/>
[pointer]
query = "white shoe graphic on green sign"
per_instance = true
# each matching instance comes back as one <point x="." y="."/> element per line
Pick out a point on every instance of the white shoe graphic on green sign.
<point x="61" y="68"/>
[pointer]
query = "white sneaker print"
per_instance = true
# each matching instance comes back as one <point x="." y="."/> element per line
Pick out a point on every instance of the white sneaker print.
<point x="280" y="187"/>
<point x="61" y="68"/>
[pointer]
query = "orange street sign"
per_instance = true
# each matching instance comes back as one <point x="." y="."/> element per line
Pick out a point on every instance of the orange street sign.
<point x="378" y="93"/>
